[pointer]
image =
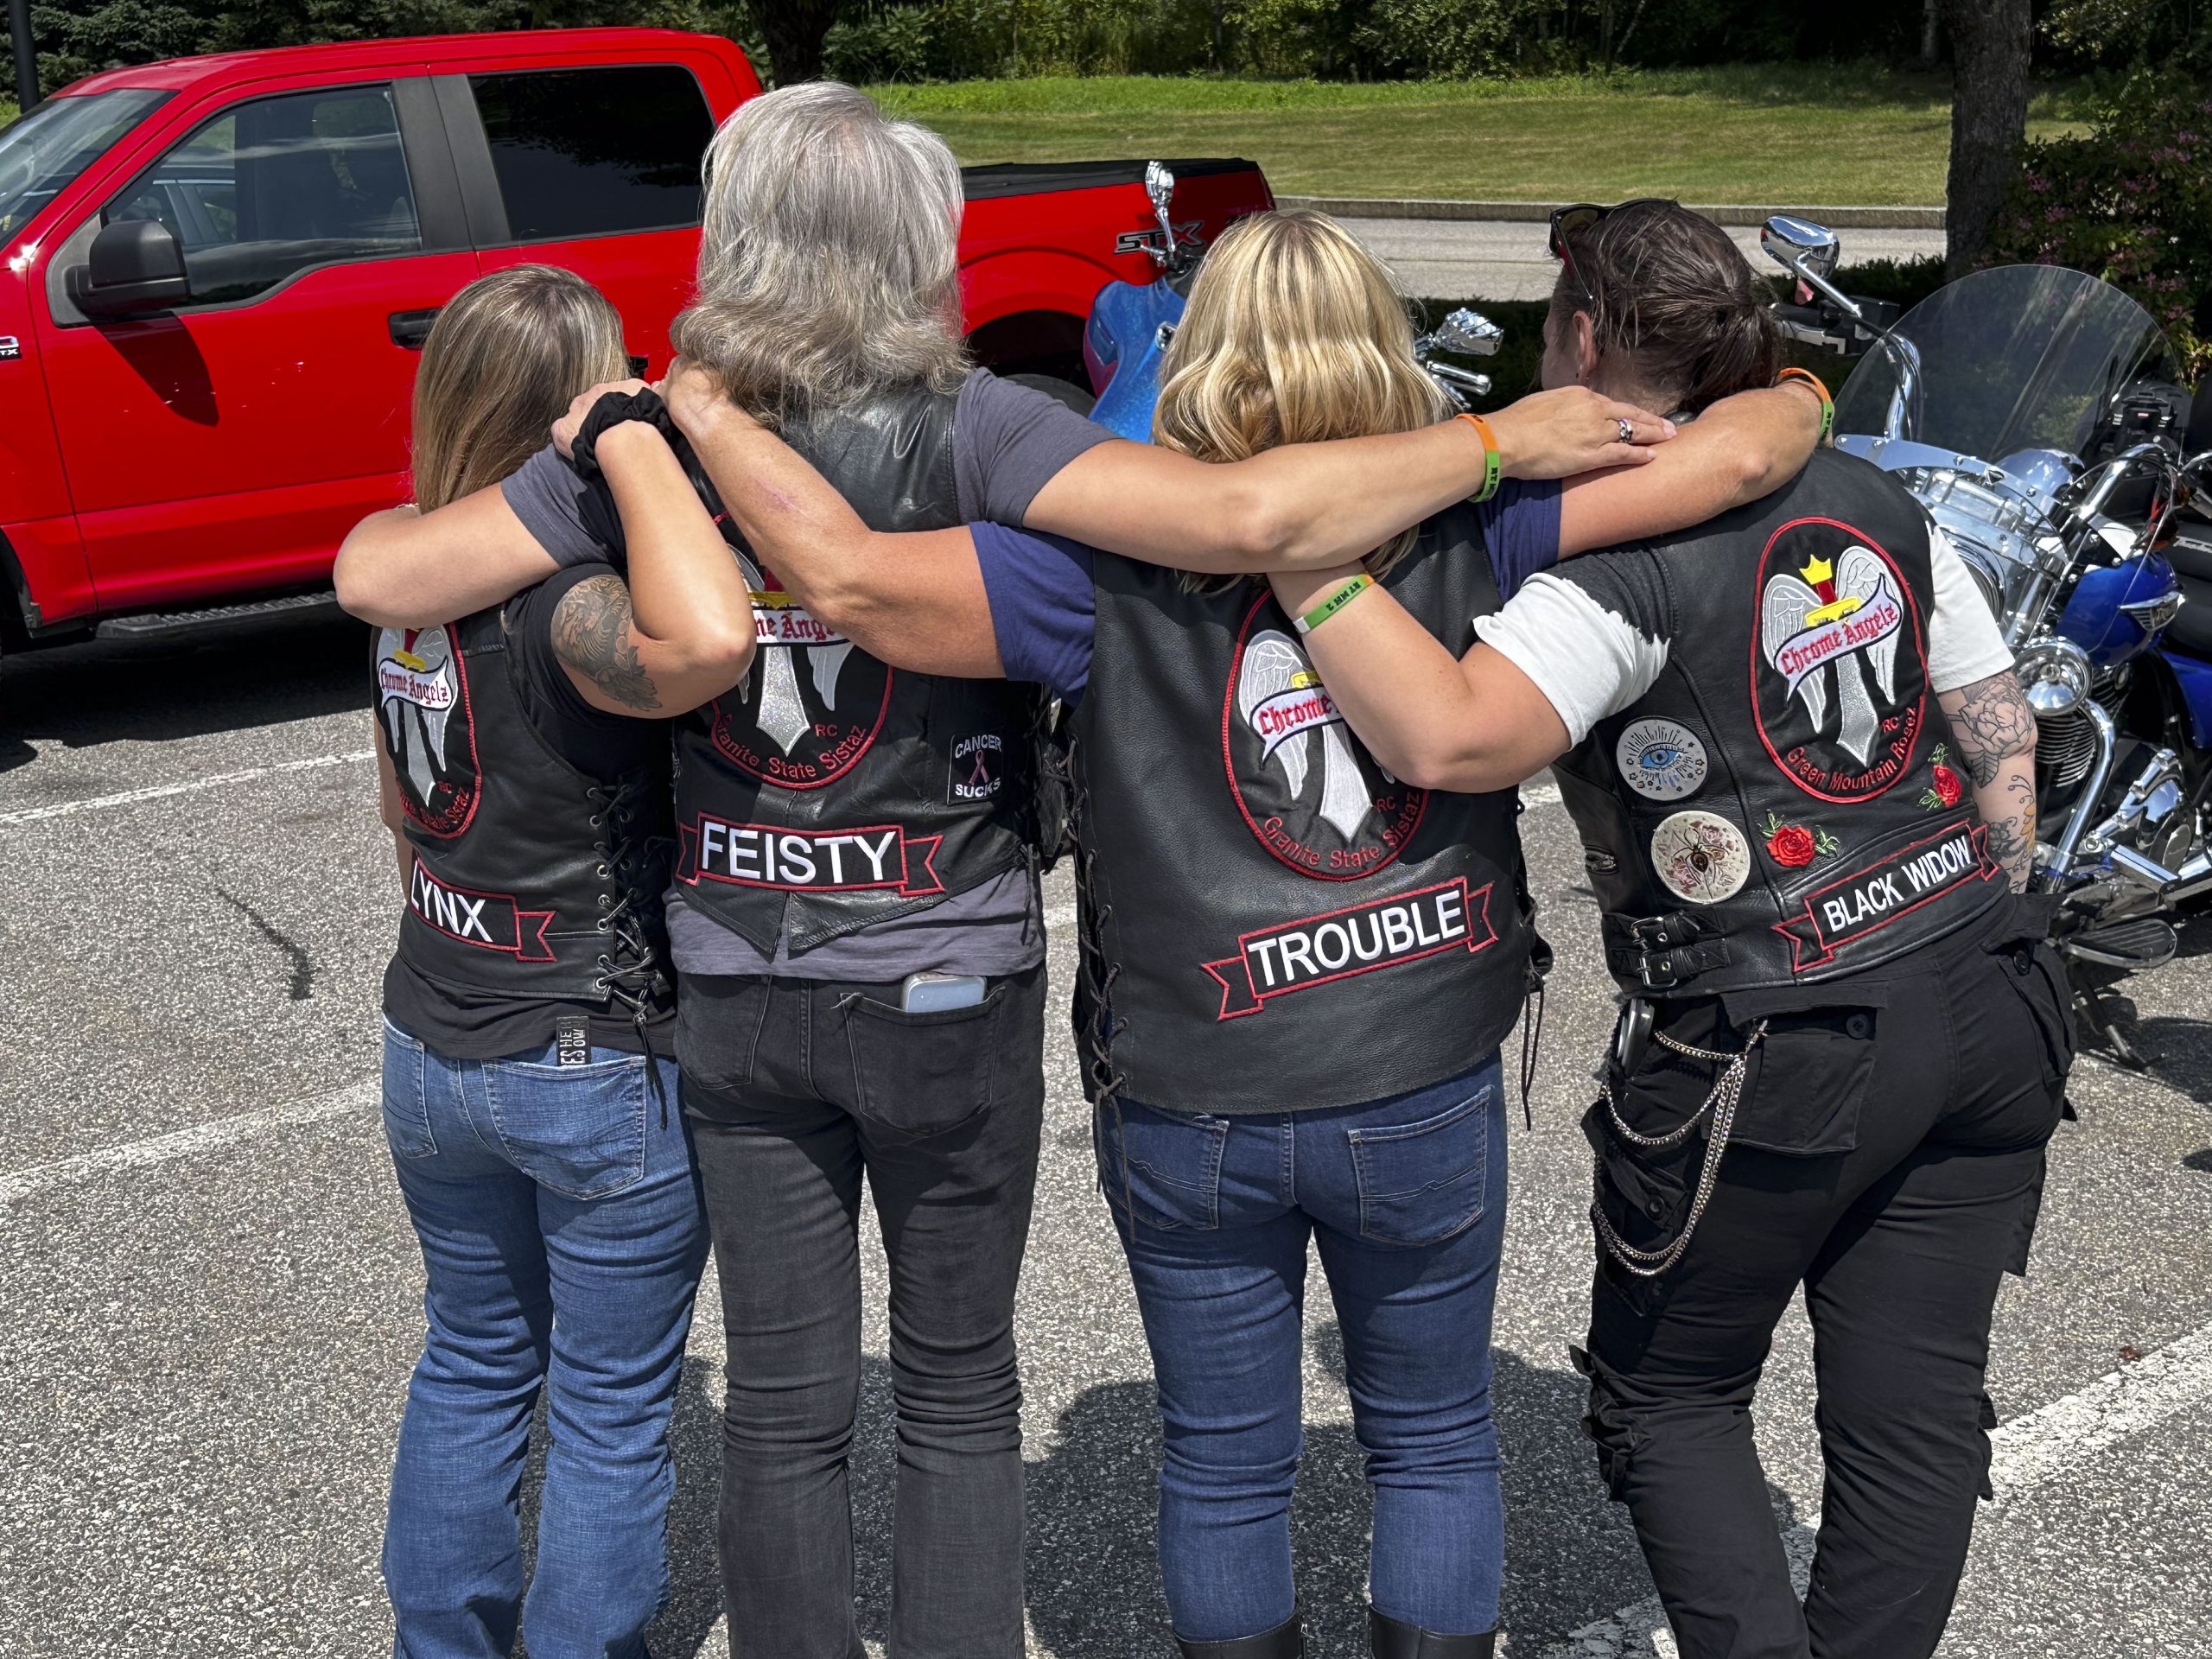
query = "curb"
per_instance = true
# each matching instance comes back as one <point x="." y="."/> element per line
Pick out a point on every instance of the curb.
<point x="1887" y="218"/>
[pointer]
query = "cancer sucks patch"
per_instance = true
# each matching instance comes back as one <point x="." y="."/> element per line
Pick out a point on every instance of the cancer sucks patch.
<point x="810" y="707"/>
<point x="428" y="727"/>
<point x="1304" y="783"/>
<point x="1839" y="661"/>
<point x="1288" y="957"/>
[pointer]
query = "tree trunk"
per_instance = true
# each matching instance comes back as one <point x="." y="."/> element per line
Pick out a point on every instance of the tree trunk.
<point x="794" y="31"/>
<point x="1989" y="117"/>
<point x="1931" y="32"/>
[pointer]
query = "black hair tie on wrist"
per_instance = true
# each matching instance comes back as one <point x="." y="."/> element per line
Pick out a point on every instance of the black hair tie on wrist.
<point x="612" y="409"/>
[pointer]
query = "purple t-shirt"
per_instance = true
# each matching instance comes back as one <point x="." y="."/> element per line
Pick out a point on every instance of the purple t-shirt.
<point x="1043" y="611"/>
<point x="1008" y="442"/>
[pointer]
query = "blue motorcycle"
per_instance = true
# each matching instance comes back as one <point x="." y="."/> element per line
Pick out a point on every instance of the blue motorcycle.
<point x="1131" y="324"/>
<point x="2021" y="406"/>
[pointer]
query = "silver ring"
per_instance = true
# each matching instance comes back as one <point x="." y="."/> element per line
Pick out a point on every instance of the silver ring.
<point x="1627" y="427"/>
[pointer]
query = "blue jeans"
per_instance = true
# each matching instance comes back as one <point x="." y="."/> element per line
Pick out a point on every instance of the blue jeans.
<point x="1405" y="1199"/>
<point x="562" y="1238"/>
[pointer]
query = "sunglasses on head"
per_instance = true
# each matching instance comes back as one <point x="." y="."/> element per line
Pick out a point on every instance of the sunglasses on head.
<point x="1575" y="220"/>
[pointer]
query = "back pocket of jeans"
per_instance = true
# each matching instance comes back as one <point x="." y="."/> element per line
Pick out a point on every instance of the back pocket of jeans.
<point x="406" y="1102"/>
<point x="577" y="1130"/>
<point x="1163" y="1167"/>
<point x="1419" y="1182"/>
<point x="916" y="1075"/>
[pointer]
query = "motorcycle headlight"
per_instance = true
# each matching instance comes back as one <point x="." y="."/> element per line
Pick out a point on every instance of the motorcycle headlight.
<point x="2054" y="676"/>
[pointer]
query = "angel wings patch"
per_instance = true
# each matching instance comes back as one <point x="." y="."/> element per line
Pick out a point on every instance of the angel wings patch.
<point x="1839" y="669"/>
<point x="1310" y="791"/>
<point x="811" y="706"/>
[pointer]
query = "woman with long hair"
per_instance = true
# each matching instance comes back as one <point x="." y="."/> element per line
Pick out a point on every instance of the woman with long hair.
<point x="1804" y="780"/>
<point x="1296" y="968"/>
<point x="527" y="1090"/>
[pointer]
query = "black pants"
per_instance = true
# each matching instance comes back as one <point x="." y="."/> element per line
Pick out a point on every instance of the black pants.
<point x="797" y="1088"/>
<point x="1889" y="1155"/>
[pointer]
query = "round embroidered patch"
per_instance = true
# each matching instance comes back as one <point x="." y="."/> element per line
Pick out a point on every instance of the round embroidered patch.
<point x="1660" y="760"/>
<point x="1700" y="856"/>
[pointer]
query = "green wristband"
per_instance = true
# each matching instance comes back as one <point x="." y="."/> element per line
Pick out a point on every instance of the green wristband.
<point x="1335" y="602"/>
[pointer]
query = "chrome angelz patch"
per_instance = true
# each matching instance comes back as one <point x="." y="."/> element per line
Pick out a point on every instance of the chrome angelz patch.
<point x="1307" y="787"/>
<point x="1272" y="961"/>
<point x="1839" y="663"/>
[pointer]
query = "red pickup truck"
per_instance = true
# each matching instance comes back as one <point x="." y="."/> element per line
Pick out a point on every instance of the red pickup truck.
<point x="219" y="270"/>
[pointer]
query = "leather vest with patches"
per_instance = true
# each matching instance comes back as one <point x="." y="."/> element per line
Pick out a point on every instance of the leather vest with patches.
<point x="1269" y="919"/>
<point x="531" y="878"/>
<point x="828" y="792"/>
<point x="1786" y="803"/>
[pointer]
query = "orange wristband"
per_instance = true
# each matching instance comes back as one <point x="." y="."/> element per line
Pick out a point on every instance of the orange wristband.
<point x="1827" y="404"/>
<point x="1493" y="462"/>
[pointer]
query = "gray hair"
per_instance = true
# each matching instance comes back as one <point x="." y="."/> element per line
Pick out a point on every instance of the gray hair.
<point x="828" y="263"/>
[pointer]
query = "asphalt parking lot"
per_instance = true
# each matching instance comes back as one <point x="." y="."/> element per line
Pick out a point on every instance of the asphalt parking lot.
<point x="210" y="1295"/>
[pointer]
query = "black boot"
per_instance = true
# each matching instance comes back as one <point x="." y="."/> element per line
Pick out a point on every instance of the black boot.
<point x="1388" y="1639"/>
<point x="1286" y="1641"/>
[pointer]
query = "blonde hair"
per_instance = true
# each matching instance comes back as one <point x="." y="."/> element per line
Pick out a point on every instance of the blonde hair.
<point x="505" y="358"/>
<point x="1293" y="335"/>
<point x="829" y="259"/>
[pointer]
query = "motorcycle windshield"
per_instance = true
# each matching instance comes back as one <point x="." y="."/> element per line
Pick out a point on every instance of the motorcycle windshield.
<point x="2017" y="358"/>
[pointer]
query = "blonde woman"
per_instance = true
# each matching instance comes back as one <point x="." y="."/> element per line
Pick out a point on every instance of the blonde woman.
<point x="1295" y="969"/>
<point x="526" y="1099"/>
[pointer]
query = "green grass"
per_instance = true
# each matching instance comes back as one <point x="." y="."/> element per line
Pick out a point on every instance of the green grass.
<point x="1770" y="134"/>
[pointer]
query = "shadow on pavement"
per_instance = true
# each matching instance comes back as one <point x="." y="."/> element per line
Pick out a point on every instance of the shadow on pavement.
<point x="237" y="677"/>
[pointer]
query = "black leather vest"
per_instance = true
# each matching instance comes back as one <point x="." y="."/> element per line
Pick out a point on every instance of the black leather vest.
<point x="1270" y="920"/>
<point x="828" y="792"/>
<point x="1784" y="806"/>
<point x="531" y="878"/>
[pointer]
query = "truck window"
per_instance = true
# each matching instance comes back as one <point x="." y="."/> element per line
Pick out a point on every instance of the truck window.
<point x="272" y="187"/>
<point x="587" y="152"/>
<point x="42" y="154"/>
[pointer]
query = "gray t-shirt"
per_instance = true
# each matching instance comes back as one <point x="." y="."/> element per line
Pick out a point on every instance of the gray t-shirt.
<point x="1008" y="442"/>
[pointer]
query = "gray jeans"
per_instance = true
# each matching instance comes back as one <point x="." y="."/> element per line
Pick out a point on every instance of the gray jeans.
<point x="795" y="1088"/>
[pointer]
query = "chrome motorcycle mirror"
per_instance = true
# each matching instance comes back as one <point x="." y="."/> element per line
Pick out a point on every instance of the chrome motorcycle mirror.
<point x="1799" y="245"/>
<point x="1159" y="185"/>
<point x="1465" y="333"/>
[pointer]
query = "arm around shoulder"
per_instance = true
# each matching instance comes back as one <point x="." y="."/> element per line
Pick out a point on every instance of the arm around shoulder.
<point x="403" y="568"/>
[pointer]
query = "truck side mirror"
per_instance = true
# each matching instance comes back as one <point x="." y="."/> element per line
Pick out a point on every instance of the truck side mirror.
<point x="134" y="267"/>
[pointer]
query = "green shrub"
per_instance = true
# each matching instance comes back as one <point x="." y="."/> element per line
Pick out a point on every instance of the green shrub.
<point x="2131" y="202"/>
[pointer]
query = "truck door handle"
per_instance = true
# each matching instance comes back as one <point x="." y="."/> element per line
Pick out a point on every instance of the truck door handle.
<point x="410" y="328"/>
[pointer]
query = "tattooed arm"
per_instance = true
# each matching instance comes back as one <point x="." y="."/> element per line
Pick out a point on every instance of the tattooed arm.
<point x="681" y="633"/>
<point x="1995" y="731"/>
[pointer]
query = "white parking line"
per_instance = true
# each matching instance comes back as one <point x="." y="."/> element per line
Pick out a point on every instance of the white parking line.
<point x="2028" y="1452"/>
<point x="186" y="1143"/>
<point x="160" y="792"/>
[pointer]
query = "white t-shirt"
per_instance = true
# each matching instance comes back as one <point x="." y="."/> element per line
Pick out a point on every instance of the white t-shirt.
<point x="1593" y="649"/>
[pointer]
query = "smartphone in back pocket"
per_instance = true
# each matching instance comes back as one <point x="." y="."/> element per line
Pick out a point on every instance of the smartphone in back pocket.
<point x="936" y="992"/>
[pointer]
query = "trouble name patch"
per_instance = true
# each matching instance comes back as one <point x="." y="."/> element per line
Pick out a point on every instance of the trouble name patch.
<point x="819" y="860"/>
<point x="1336" y="944"/>
<point x="1844" y="911"/>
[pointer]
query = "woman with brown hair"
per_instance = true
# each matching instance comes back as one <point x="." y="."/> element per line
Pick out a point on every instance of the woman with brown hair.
<point x="527" y="1094"/>
<point x="1296" y="967"/>
<point x="1804" y="781"/>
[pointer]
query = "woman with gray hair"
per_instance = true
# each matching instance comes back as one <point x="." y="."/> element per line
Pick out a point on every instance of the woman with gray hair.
<point x="855" y="920"/>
